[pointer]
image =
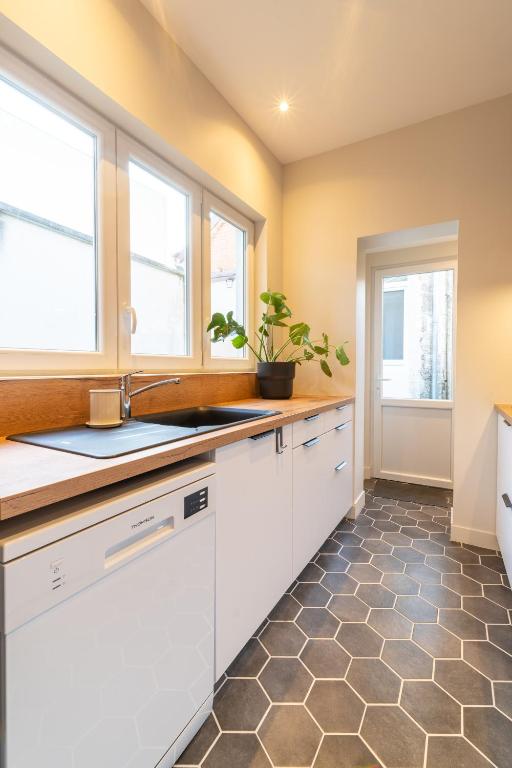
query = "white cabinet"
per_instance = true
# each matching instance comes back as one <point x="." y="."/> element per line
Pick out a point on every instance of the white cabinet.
<point x="253" y="537"/>
<point x="504" y="505"/>
<point x="322" y="484"/>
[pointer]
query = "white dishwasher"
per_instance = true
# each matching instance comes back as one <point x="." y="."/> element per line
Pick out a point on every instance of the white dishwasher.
<point x="107" y="642"/>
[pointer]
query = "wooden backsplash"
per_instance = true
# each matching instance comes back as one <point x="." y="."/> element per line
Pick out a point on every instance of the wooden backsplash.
<point x="29" y="404"/>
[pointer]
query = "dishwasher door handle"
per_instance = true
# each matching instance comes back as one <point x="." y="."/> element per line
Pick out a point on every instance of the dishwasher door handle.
<point x="134" y="545"/>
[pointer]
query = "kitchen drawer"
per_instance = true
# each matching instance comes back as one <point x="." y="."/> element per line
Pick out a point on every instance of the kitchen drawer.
<point x="343" y="441"/>
<point x="504" y="528"/>
<point x="308" y="428"/>
<point x="337" y="416"/>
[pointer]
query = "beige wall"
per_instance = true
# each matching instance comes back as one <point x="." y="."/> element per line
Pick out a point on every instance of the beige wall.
<point x="115" y="55"/>
<point x="458" y="166"/>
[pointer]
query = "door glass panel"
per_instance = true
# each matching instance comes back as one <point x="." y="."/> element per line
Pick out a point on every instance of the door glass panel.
<point x="227" y="244"/>
<point x="48" y="292"/>
<point x="159" y="264"/>
<point x="417" y="336"/>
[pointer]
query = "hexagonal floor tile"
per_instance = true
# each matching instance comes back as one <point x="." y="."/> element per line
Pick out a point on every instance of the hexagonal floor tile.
<point x="240" y="749"/>
<point x="461" y="555"/>
<point x="493" y="561"/>
<point x="286" y="680"/>
<point x="501" y="635"/>
<point x="388" y="563"/>
<point x="389" y="623"/>
<point x="329" y="547"/>
<point x="374" y="681"/>
<point x="408" y="555"/>
<point x="450" y="751"/>
<point x="443" y="564"/>
<point x="365" y="573"/>
<point x="503" y="697"/>
<point x="463" y="585"/>
<point x="440" y="596"/>
<point x="407" y="659"/>
<point x="348" y="608"/>
<point x="317" y="622"/>
<point x="400" y="584"/>
<point x="490" y="731"/>
<point x="282" y="638"/>
<point x="431" y="707"/>
<point x="462" y="624"/>
<point x="345" y="538"/>
<point x="376" y="596"/>
<point x="286" y="609"/>
<point x="250" y="661"/>
<point x="311" y="595"/>
<point x="463" y="682"/>
<point x="488" y="659"/>
<point x="312" y="572"/>
<point x="485" y="610"/>
<point x="423" y="573"/>
<point x="335" y="706"/>
<point x="332" y="563"/>
<point x="416" y="609"/>
<point x="339" y="583"/>
<point x="240" y="704"/>
<point x="290" y="736"/>
<point x="499" y="594"/>
<point x="359" y="640"/>
<point x="344" y="752"/>
<point x="325" y="658"/>
<point x="394" y="737"/>
<point x="414" y="532"/>
<point x="356" y="554"/>
<point x="437" y="641"/>
<point x="200" y="744"/>
<point x="481" y="574"/>
<point x="377" y="546"/>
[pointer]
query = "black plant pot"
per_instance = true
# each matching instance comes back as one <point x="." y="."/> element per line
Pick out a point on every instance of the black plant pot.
<point x="276" y="380"/>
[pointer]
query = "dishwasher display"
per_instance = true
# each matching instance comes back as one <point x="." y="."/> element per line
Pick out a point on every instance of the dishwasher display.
<point x="107" y="639"/>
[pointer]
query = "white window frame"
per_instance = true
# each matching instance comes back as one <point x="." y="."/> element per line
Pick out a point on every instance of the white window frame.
<point x="105" y="358"/>
<point x="211" y="203"/>
<point x="128" y="149"/>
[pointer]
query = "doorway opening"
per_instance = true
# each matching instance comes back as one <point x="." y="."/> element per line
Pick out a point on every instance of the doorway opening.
<point x="409" y="283"/>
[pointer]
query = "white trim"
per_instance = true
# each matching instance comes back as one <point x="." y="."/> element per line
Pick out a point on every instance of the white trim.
<point x="474" y="536"/>
<point x="357" y="506"/>
<point x="437" y="482"/>
<point x="212" y="203"/>
<point x="128" y="149"/>
<point x="32" y="82"/>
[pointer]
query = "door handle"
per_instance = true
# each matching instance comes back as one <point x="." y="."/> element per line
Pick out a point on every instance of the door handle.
<point x="381" y="379"/>
<point x="506" y="499"/>
<point x="280" y="446"/>
<point x="312" y="418"/>
<point x="340" y="466"/>
<point x="311" y="443"/>
<point x="342" y="426"/>
<point x="262" y="435"/>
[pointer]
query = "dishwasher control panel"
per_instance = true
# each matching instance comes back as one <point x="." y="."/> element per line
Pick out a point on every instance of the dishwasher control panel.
<point x="195" y="502"/>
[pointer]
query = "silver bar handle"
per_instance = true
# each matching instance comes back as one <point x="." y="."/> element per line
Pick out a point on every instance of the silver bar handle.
<point x="312" y="418"/>
<point x="506" y="500"/>
<point x="342" y="426"/>
<point x="280" y="446"/>
<point x="341" y="407"/>
<point x="311" y="443"/>
<point x="262" y="435"/>
<point x="340" y="466"/>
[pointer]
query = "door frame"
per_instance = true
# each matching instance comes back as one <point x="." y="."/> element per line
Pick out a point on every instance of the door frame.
<point x="378" y="272"/>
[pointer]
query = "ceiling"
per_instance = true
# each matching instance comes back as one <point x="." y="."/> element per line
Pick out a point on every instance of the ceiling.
<point x="351" y="69"/>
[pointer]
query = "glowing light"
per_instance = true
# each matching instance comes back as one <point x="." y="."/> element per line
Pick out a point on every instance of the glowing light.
<point x="283" y="106"/>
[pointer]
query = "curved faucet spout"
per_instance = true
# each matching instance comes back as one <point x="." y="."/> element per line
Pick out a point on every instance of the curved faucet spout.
<point x="127" y="392"/>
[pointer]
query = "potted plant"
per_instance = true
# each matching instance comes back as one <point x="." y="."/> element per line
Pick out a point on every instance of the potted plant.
<point x="276" y="362"/>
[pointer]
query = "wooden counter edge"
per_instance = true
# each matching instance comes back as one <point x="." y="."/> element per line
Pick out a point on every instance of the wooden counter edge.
<point x="155" y="458"/>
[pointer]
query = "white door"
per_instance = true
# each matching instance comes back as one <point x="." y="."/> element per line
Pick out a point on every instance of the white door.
<point x="413" y="353"/>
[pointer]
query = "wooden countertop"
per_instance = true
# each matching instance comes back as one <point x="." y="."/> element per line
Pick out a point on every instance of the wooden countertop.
<point x="32" y="477"/>
<point x="504" y="410"/>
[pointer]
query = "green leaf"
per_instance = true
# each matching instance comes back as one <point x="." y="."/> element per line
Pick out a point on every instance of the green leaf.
<point x="341" y="356"/>
<point x="326" y="340"/>
<point x="265" y="297"/>
<point x="321" y="350"/>
<point x="325" y="368"/>
<point x="239" y="341"/>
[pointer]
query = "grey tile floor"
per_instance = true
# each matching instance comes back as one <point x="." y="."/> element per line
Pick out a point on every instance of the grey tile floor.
<point x="392" y="649"/>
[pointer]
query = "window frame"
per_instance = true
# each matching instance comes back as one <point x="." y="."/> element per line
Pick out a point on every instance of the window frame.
<point x="36" y="85"/>
<point x="211" y="203"/>
<point x="130" y="150"/>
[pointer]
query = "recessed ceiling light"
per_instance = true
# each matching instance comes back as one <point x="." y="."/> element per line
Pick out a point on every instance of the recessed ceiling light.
<point x="283" y="106"/>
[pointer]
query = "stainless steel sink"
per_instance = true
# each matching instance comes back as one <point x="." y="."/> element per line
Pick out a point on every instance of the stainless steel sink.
<point x="141" y="433"/>
<point x="205" y="418"/>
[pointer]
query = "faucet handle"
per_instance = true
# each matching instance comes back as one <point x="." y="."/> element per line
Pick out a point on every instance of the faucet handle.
<point x="125" y="378"/>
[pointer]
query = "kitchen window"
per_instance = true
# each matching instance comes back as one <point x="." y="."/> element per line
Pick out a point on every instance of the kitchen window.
<point x="109" y="256"/>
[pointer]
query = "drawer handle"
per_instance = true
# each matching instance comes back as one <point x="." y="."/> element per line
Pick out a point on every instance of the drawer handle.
<point x="506" y="422"/>
<point x="311" y="443"/>
<point x="312" y="418"/>
<point x="506" y="499"/>
<point x="340" y="466"/>
<point x="341" y="407"/>
<point x="262" y="435"/>
<point x="342" y="426"/>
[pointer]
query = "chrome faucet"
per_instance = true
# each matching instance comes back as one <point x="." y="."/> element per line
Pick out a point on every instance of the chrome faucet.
<point x="127" y="392"/>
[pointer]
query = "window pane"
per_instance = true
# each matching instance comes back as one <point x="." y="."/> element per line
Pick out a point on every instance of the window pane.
<point x="159" y="264"/>
<point x="228" y="277"/>
<point x="423" y="336"/>
<point x="47" y="228"/>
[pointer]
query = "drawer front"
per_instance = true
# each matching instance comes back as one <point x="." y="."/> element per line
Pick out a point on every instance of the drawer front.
<point x="504" y="528"/>
<point x="337" y="416"/>
<point x="308" y="428"/>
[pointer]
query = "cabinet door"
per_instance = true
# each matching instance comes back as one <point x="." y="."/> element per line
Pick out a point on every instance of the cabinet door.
<point x="253" y="538"/>
<point x="504" y="508"/>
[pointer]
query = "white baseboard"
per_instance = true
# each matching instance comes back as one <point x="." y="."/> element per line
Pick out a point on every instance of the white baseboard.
<point x="436" y="482"/>
<point x="357" y="506"/>
<point x="477" y="538"/>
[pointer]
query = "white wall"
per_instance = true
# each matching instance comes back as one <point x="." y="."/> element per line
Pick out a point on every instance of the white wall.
<point x="455" y="167"/>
